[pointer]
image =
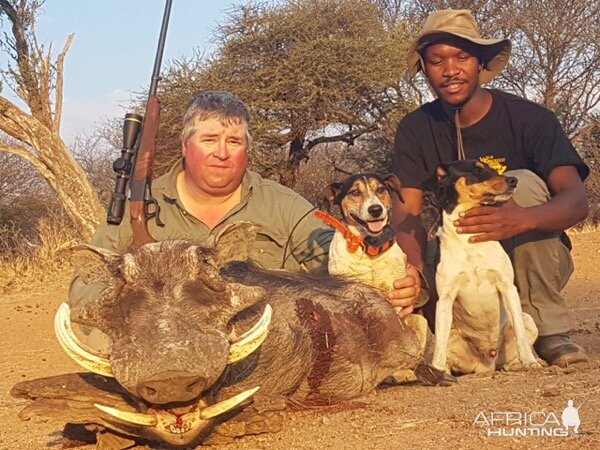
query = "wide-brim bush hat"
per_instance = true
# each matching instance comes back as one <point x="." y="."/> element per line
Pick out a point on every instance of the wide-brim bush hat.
<point x="462" y="24"/>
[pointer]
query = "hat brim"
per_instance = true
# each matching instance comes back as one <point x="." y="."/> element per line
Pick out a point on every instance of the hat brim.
<point x="496" y="53"/>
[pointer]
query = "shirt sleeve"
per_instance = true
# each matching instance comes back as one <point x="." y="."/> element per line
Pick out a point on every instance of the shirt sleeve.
<point x="310" y="237"/>
<point x="549" y="147"/>
<point x="407" y="157"/>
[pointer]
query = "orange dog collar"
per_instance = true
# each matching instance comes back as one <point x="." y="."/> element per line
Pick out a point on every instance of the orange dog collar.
<point x="353" y="241"/>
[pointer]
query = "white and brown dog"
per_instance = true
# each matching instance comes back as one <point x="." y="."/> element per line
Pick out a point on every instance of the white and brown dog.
<point x="475" y="282"/>
<point x="364" y="245"/>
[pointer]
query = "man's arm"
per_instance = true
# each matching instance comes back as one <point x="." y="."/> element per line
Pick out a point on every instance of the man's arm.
<point x="567" y="206"/>
<point x="411" y="234"/>
<point x="408" y="293"/>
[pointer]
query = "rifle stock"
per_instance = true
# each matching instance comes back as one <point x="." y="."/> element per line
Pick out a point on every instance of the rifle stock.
<point x="140" y="185"/>
<point x="141" y="181"/>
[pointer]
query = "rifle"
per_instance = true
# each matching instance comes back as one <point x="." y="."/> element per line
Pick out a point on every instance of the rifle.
<point x="134" y="167"/>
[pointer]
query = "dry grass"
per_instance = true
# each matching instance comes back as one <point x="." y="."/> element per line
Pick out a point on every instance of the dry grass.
<point x="591" y="223"/>
<point x="23" y="263"/>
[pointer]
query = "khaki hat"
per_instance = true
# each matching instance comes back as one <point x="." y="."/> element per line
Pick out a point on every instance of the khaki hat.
<point x="462" y="24"/>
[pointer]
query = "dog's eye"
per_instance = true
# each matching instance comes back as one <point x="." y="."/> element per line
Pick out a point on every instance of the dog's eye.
<point x="354" y="192"/>
<point x="381" y="189"/>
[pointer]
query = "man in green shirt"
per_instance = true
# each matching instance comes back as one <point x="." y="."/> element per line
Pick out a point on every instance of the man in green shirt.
<point x="212" y="187"/>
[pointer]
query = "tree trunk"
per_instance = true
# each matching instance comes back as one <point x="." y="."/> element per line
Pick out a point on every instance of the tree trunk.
<point x="295" y="156"/>
<point x="50" y="156"/>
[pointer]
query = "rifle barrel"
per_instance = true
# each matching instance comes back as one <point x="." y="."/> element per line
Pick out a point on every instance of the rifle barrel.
<point x="161" y="47"/>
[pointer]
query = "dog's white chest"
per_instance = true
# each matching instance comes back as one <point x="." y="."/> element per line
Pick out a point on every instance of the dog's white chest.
<point x="479" y="262"/>
<point x="379" y="271"/>
<point x="475" y="273"/>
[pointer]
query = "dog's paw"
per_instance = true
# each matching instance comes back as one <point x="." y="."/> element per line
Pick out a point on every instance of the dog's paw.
<point x="527" y="366"/>
<point x="431" y="376"/>
<point x="531" y="365"/>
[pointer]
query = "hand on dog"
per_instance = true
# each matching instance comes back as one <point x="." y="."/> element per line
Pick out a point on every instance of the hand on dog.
<point x="493" y="223"/>
<point x="406" y="291"/>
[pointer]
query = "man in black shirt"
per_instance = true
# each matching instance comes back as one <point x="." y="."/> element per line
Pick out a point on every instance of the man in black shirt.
<point x="513" y="136"/>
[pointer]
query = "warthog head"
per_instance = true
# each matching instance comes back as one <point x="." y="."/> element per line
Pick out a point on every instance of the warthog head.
<point x="166" y="309"/>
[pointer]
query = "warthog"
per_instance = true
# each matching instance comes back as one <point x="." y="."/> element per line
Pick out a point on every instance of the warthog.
<point x="204" y="342"/>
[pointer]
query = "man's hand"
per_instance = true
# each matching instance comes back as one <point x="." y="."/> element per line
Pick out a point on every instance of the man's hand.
<point x="406" y="291"/>
<point x="493" y="223"/>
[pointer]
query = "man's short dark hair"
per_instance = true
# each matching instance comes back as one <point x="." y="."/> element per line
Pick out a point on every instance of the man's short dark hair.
<point x="213" y="104"/>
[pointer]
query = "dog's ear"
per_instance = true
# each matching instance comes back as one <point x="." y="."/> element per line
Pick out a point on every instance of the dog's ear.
<point x="437" y="179"/>
<point x="431" y="211"/>
<point x="393" y="183"/>
<point x="331" y="195"/>
<point x="441" y="172"/>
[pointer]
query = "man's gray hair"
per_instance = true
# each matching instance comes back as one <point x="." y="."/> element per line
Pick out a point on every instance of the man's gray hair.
<point x="210" y="105"/>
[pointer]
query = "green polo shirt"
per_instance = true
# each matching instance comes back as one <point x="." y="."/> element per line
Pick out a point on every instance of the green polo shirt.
<point x="289" y="235"/>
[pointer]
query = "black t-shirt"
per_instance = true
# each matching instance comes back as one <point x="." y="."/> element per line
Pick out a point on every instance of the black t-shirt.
<point x="514" y="134"/>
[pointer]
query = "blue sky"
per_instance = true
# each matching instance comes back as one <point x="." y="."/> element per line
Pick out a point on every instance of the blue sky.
<point x="114" y="48"/>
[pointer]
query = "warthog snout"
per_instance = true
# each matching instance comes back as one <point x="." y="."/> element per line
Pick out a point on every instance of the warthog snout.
<point x="171" y="386"/>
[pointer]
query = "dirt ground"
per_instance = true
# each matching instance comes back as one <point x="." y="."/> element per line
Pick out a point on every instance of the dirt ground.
<point x="409" y="416"/>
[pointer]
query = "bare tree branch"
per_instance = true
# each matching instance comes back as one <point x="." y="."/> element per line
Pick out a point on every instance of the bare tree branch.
<point x="58" y="96"/>
<point x="26" y="155"/>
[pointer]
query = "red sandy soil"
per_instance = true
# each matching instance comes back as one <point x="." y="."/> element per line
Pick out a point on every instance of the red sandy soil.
<point x="409" y="416"/>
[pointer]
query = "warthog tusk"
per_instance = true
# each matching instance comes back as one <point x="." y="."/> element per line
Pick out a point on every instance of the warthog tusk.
<point x="170" y="423"/>
<point x="146" y="420"/>
<point x="80" y="353"/>
<point x="226" y="405"/>
<point x="99" y="363"/>
<point x="251" y="339"/>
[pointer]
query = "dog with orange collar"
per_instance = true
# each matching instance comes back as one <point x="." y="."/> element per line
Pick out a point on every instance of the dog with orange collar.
<point x="364" y="245"/>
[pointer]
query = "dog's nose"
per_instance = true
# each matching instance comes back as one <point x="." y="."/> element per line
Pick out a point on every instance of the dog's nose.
<point x="512" y="181"/>
<point x="375" y="210"/>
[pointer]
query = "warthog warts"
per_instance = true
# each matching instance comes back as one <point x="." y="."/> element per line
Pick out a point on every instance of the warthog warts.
<point x="204" y="342"/>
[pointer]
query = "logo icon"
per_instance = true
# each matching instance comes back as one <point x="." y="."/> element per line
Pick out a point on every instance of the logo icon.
<point x="532" y="423"/>
<point x="570" y="417"/>
<point x="498" y="164"/>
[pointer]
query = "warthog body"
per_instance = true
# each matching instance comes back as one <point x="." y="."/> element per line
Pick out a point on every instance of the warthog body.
<point x="172" y="310"/>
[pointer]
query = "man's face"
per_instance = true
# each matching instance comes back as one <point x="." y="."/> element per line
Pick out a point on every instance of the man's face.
<point x="216" y="156"/>
<point x="453" y="72"/>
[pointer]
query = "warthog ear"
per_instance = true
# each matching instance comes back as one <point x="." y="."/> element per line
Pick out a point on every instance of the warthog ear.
<point x="201" y="266"/>
<point x="96" y="264"/>
<point x="234" y="242"/>
<point x="242" y="296"/>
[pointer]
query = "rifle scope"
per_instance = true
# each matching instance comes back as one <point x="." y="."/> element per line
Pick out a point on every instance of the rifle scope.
<point x="123" y="167"/>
